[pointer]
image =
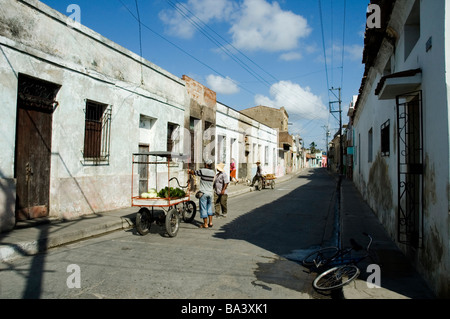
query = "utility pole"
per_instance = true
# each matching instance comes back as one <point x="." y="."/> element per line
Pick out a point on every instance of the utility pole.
<point x="327" y="130"/>
<point x="341" y="147"/>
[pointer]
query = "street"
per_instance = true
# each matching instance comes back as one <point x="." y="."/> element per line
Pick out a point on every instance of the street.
<point x="252" y="254"/>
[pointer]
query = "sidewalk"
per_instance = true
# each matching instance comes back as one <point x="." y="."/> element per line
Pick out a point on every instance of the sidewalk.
<point x="35" y="236"/>
<point x="398" y="278"/>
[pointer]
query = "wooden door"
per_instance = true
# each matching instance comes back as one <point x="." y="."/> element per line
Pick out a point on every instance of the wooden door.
<point x="35" y="105"/>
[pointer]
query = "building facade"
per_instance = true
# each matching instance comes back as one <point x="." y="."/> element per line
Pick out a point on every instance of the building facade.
<point x="279" y="120"/>
<point x="401" y="132"/>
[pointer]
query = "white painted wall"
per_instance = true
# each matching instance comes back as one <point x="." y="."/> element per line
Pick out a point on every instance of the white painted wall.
<point x="88" y="66"/>
<point x="234" y="125"/>
<point x="378" y="179"/>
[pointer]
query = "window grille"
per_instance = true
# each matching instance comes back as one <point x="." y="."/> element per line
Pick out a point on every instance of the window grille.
<point x="97" y="133"/>
<point x="385" y="139"/>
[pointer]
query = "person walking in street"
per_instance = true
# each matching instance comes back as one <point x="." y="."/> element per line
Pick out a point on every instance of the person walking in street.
<point x="221" y="182"/>
<point x="206" y="187"/>
<point x="233" y="171"/>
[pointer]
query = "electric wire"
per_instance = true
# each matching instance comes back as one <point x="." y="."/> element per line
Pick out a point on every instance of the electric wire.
<point x="178" y="47"/>
<point x="200" y="27"/>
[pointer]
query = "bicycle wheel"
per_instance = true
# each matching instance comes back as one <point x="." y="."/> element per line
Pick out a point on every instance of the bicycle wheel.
<point x="172" y="222"/>
<point x="320" y="257"/>
<point x="336" y="277"/>
<point x="189" y="211"/>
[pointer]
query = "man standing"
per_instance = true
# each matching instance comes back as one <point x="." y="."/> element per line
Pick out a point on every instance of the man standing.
<point x="206" y="187"/>
<point x="221" y="182"/>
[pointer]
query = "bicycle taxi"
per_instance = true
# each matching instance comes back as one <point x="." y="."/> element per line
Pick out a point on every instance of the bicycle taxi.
<point x="156" y="190"/>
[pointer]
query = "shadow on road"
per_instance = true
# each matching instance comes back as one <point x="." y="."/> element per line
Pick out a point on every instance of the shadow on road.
<point x="292" y="225"/>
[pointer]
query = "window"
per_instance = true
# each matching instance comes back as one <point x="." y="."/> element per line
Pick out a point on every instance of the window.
<point x="173" y="137"/>
<point x="266" y="155"/>
<point x="222" y="151"/>
<point x="370" y="146"/>
<point x="412" y="29"/>
<point x="97" y="133"/>
<point x="385" y="139"/>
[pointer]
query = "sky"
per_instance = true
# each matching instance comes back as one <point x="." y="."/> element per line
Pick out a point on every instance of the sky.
<point x="296" y="54"/>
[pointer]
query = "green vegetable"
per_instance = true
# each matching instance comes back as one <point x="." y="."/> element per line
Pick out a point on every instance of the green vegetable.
<point x="174" y="192"/>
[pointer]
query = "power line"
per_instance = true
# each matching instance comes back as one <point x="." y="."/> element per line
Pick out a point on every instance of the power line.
<point x="214" y="40"/>
<point x="228" y="43"/>
<point x="201" y="25"/>
<point x="178" y="47"/>
<point x="198" y="26"/>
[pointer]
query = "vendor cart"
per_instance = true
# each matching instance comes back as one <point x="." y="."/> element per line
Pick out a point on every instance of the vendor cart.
<point x="267" y="180"/>
<point x="160" y="196"/>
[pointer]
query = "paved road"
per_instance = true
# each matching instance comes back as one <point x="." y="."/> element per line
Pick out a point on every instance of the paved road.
<point x="250" y="255"/>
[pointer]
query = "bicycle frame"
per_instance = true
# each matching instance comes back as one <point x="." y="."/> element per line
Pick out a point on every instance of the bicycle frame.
<point x="342" y="269"/>
<point x="341" y="256"/>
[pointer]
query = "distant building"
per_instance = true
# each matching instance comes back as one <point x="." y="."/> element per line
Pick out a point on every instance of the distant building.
<point x="279" y="120"/>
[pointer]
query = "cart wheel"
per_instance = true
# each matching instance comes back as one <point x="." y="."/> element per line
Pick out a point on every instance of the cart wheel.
<point x="272" y="185"/>
<point x="172" y="222"/>
<point x="190" y="209"/>
<point x="143" y="221"/>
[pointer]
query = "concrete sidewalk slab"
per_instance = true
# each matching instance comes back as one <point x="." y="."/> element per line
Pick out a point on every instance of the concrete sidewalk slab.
<point x="398" y="278"/>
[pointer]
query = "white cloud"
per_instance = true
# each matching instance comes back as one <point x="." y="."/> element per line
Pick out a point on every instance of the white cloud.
<point x="264" y="26"/>
<point x="204" y="10"/>
<point x="354" y="52"/>
<point x="295" y="99"/>
<point x="255" y="24"/>
<point x="222" y="85"/>
<point x="291" y="56"/>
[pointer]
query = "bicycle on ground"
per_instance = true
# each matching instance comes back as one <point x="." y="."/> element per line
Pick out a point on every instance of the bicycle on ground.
<point x="341" y="267"/>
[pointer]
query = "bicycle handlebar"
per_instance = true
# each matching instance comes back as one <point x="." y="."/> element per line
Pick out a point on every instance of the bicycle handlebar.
<point x="187" y="185"/>
<point x="357" y="246"/>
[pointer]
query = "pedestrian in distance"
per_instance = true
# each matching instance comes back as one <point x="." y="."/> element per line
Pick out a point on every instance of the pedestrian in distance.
<point x="206" y="187"/>
<point x="233" y="171"/>
<point x="221" y="182"/>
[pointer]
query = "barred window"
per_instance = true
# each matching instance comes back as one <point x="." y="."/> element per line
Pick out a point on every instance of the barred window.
<point x="97" y="133"/>
<point x="385" y="139"/>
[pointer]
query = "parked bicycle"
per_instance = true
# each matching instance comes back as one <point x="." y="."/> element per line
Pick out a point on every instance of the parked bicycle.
<point x="341" y="266"/>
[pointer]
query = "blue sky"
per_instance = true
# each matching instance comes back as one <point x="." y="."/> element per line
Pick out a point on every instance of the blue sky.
<point x="251" y="52"/>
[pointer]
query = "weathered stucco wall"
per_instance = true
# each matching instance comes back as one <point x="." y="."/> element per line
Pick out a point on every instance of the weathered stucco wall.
<point x="36" y="40"/>
<point x="377" y="179"/>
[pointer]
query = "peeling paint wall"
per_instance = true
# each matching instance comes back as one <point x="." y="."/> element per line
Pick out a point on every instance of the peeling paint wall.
<point x="377" y="178"/>
<point x="38" y="41"/>
<point x="380" y="192"/>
